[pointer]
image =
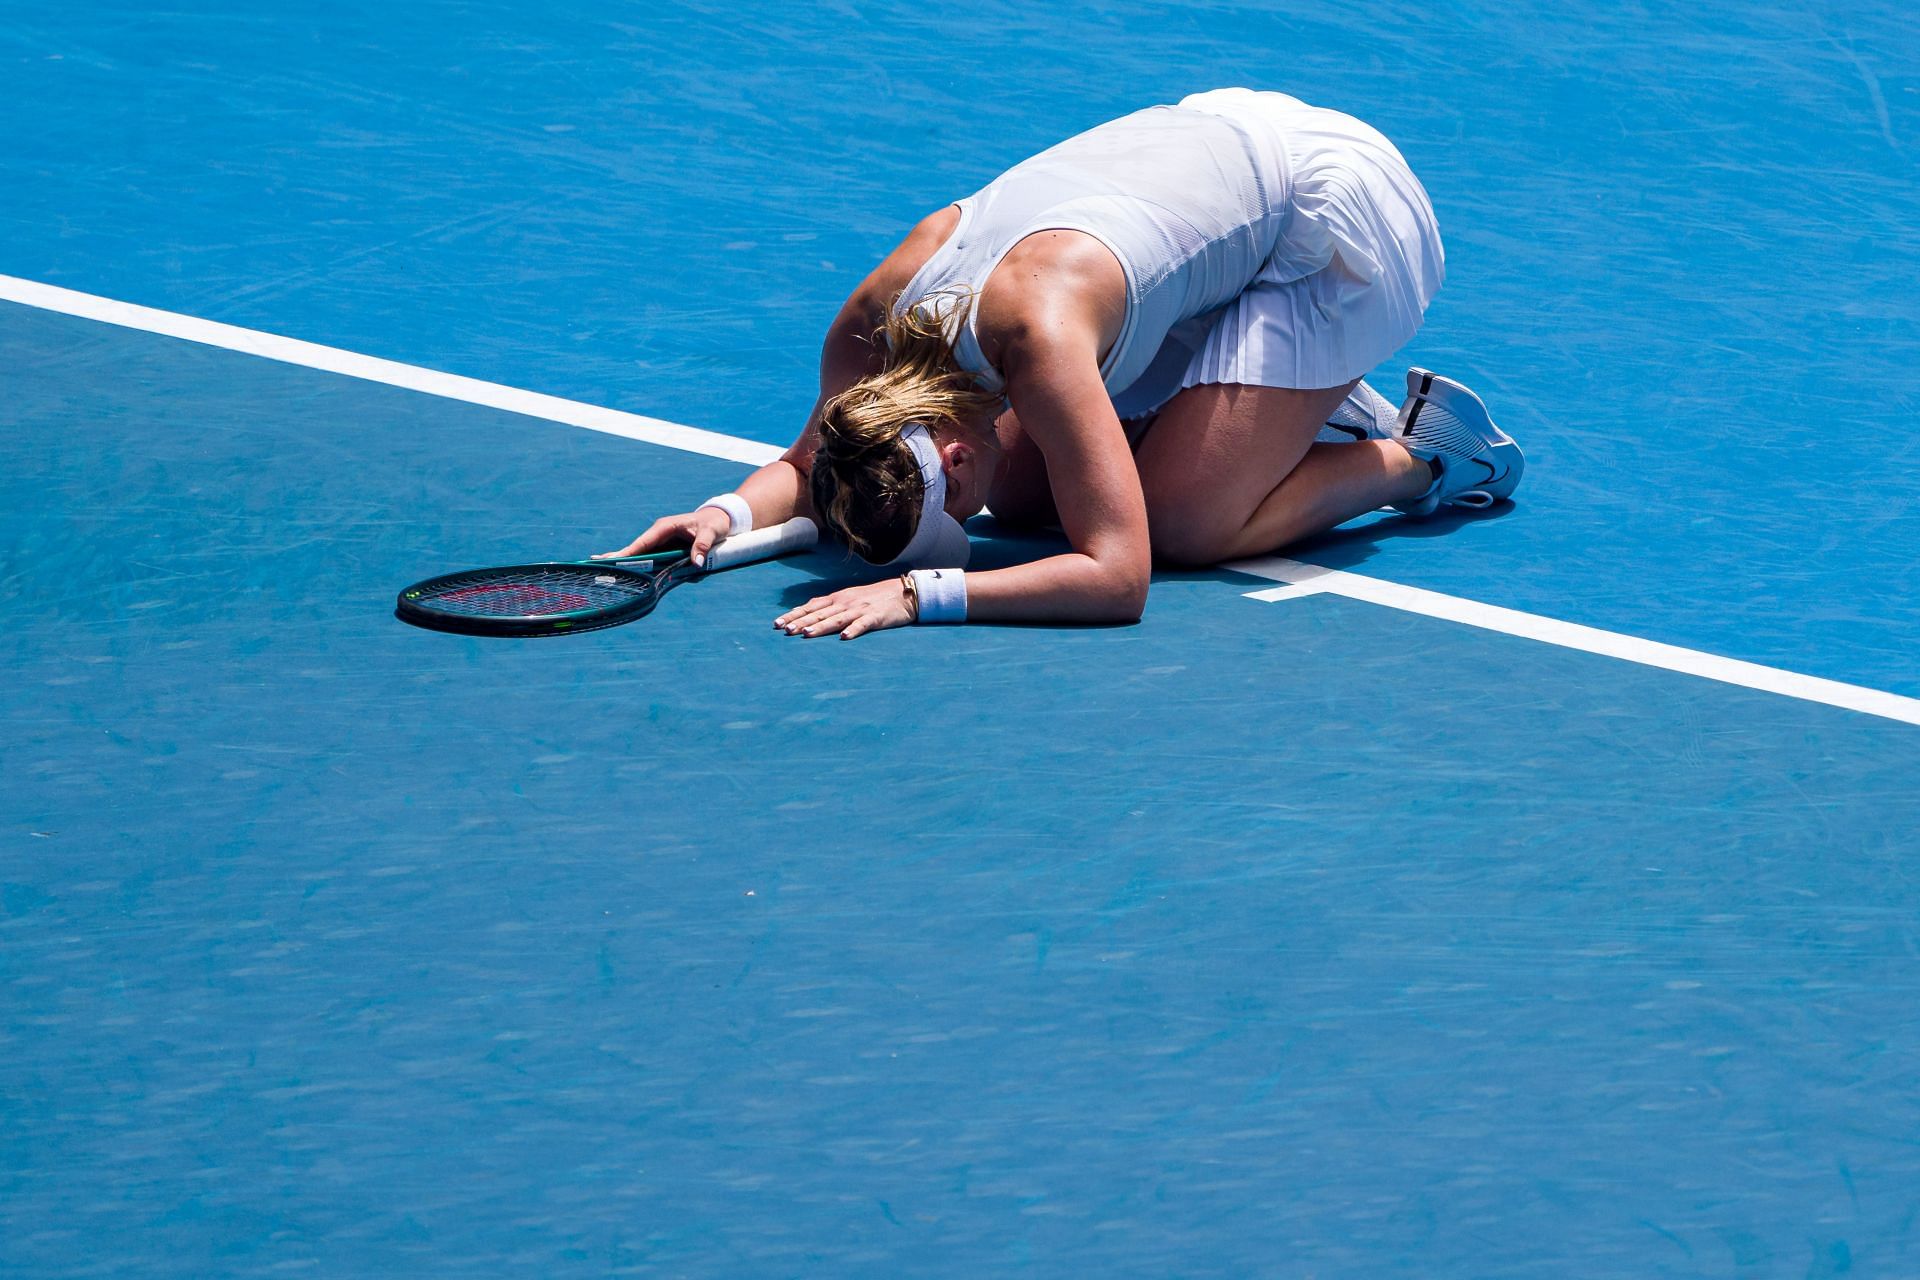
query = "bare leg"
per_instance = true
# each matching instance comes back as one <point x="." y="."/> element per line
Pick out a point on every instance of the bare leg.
<point x="1233" y="471"/>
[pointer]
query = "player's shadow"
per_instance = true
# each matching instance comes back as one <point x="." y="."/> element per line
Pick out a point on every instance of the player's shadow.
<point x="998" y="546"/>
<point x="1353" y="544"/>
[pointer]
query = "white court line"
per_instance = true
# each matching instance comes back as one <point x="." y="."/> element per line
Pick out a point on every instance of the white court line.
<point x="1313" y="579"/>
<point x="1299" y="579"/>
<point x="449" y="386"/>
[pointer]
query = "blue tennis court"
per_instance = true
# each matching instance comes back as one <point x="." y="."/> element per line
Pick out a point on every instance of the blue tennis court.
<point x="1520" y="894"/>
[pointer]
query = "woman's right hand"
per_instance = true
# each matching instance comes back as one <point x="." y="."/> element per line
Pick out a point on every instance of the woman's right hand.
<point x="695" y="530"/>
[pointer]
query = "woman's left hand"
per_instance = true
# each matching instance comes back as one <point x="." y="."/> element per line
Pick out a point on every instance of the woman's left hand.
<point x="851" y="612"/>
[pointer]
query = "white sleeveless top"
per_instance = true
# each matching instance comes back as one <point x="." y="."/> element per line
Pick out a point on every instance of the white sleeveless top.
<point x="1190" y="202"/>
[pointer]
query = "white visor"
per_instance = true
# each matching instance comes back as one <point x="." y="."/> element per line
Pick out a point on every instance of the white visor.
<point x="939" y="542"/>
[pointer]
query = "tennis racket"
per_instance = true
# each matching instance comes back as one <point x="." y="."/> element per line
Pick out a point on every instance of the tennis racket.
<point x="563" y="597"/>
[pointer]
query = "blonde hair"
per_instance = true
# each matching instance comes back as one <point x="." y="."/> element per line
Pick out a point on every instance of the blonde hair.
<point x="865" y="484"/>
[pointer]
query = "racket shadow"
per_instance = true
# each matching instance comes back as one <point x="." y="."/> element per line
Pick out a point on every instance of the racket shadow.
<point x="1352" y="545"/>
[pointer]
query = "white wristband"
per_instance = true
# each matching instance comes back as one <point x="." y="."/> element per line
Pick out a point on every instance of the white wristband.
<point x="942" y="594"/>
<point x="738" y="512"/>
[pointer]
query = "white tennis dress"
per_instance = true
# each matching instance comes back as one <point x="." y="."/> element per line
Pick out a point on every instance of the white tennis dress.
<point x="1264" y="242"/>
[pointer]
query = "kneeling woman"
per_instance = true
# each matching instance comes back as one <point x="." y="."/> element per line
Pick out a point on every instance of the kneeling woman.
<point x="1141" y="335"/>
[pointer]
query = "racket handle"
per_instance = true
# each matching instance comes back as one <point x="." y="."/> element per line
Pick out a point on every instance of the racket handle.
<point x="797" y="534"/>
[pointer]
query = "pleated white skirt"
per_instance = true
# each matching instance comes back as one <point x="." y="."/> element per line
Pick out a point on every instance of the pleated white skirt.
<point x="1346" y="285"/>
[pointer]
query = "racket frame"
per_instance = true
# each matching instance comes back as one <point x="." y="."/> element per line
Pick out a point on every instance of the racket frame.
<point x="526" y="626"/>
<point x="668" y="569"/>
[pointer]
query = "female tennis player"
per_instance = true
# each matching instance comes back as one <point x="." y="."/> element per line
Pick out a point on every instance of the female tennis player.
<point x="1150" y="336"/>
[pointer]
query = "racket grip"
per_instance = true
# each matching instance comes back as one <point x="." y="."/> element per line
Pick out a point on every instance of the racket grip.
<point x="797" y="534"/>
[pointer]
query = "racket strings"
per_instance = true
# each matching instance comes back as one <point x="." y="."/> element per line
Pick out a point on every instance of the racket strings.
<point x="533" y="593"/>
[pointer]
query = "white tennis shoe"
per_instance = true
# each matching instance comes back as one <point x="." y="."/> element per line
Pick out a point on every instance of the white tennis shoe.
<point x="1364" y="415"/>
<point x="1475" y="464"/>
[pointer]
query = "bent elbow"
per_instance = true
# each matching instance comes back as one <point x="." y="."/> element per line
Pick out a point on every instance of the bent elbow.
<point x="1129" y="599"/>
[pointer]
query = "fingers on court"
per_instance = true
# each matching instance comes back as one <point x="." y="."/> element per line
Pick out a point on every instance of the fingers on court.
<point x="829" y="625"/>
<point x="814" y="605"/>
<point x="657" y="533"/>
<point x="813" y="618"/>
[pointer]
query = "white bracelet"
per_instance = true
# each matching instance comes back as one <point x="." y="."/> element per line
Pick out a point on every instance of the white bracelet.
<point x="738" y="512"/>
<point x="942" y="594"/>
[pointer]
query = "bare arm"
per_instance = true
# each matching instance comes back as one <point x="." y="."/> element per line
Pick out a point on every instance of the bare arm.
<point x="1053" y="381"/>
<point x="1054" y="305"/>
<point x="779" y="491"/>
